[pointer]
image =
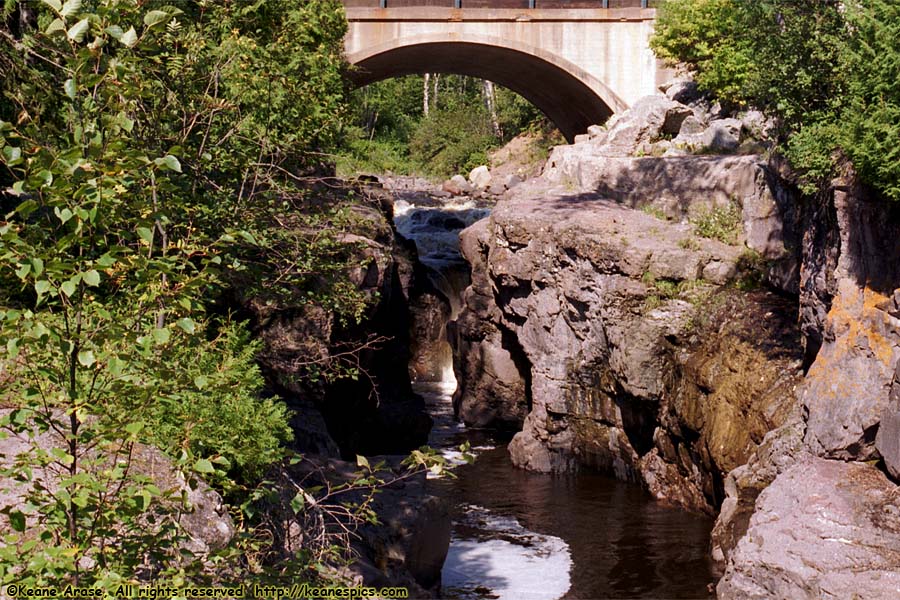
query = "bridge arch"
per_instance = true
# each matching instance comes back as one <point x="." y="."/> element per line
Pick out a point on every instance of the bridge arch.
<point x="572" y="98"/>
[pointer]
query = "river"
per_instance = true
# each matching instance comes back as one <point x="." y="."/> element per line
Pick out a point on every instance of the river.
<point x="528" y="536"/>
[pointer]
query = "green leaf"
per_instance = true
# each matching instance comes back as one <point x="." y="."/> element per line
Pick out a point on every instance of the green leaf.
<point x="86" y="358"/>
<point x="134" y="428"/>
<point x="116" y="366"/>
<point x="168" y="162"/>
<point x="200" y="381"/>
<point x="11" y="155"/>
<point x="54" y="4"/>
<point x="143" y="497"/>
<point x="17" y="520"/>
<point x="146" y="234"/>
<point x="23" y="271"/>
<point x="115" y="32"/>
<point x="37" y="265"/>
<point x="362" y="461"/>
<point x="46" y="177"/>
<point x="70" y="287"/>
<point x="106" y="261"/>
<point x="204" y="466"/>
<point x="69" y="88"/>
<point x="155" y="17"/>
<point x="91" y="278"/>
<point x="298" y="503"/>
<point x="186" y="324"/>
<point x="248" y="237"/>
<point x="63" y="215"/>
<point x="161" y="336"/>
<point x="77" y="31"/>
<point x="129" y="38"/>
<point x="222" y="462"/>
<point x="81" y="499"/>
<point x="55" y="26"/>
<point x="70" y="8"/>
<point x="12" y="348"/>
<point x="41" y="287"/>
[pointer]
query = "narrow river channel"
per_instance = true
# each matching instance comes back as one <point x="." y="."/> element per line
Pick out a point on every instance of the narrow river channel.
<point x="527" y="536"/>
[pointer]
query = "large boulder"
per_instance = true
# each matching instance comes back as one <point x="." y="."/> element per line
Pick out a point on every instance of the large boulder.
<point x="480" y="177"/>
<point x="822" y="529"/>
<point x="457" y="185"/>
<point x="199" y="510"/>
<point x="651" y="118"/>
<point x="587" y="309"/>
<point x="490" y="368"/>
<point x="780" y="450"/>
<point x="721" y="136"/>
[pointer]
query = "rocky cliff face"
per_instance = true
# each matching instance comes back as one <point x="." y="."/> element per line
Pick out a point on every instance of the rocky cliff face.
<point x="794" y="524"/>
<point x="376" y="412"/>
<point x="635" y="346"/>
<point x="638" y="348"/>
<point x="620" y="334"/>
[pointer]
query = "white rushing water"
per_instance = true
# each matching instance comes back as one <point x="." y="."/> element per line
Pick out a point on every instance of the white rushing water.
<point x="490" y="556"/>
<point x="505" y="558"/>
<point x="435" y="230"/>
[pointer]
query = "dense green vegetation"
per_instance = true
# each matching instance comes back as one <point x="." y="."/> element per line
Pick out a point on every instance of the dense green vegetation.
<point x="146" y="151"/>
<point x="465" y="121"/>
<point x="827" y="69"/>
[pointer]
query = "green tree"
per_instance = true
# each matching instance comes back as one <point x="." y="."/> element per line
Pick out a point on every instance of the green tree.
<point x="145" y="147"/>
<point x="826" y="69"/>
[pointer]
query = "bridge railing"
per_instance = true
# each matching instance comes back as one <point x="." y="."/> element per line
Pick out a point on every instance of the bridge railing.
<point x="540" y="4"/>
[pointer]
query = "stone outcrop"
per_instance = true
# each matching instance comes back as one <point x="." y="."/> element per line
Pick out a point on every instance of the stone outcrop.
<point x="642" y="360"/>
<point x="822" y="529"/>
<point x="199" y="510"/>
<point x="592" y="307"/>
<point x="849" y="385"/>
<point x="406" y="547"/>
<point x="780" y="449"/>
<point x="377" y="412"/>
<point x="492" y="372"/>
<point x="614" y="328"/>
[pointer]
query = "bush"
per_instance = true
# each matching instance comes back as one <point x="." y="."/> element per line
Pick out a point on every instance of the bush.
<point x="209" y="404"/>
<point x="721" y="223"/>
<point x="827" y="69"/>
<point x="148" y="145"/>
<point x="452" y="141"/>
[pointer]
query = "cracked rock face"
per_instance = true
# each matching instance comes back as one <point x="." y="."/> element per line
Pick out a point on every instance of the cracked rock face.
<point x="822" y="529"/>
<point x="592" y="308"/>
<point x="849" y="386"/>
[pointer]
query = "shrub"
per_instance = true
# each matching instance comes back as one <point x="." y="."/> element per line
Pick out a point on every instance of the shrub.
<point x="722" y="223"/>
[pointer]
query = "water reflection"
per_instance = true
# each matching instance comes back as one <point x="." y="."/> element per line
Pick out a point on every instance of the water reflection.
<point x="622" y="543"/>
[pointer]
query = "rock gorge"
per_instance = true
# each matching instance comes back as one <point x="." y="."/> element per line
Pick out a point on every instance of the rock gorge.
<point x="753" y="379"/>
<point x="749" y="373"/>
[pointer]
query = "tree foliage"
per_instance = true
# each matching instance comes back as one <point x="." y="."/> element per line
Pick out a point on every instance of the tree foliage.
<point x="392" y="131"/>
<point x="827" y="69"/>
<point x="145" y="150"/>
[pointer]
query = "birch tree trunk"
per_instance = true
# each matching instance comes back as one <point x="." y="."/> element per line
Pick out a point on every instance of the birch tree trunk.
<point x="490" y="102"/>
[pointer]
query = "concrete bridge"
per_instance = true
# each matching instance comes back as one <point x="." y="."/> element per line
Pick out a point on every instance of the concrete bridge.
<point x="578" y="61"/>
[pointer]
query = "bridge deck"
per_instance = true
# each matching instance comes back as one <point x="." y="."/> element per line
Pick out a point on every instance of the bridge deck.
<point x="518" y="4"/>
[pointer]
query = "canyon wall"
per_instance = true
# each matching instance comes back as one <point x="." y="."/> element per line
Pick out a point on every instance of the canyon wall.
<point x="734" y="375"/>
